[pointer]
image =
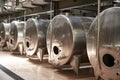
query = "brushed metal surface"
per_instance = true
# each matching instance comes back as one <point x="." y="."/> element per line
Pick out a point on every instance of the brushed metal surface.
<point x="68" y="38"/>
<point x="16" y="34"/>
<point x="4" y="33"/>
<point x="106" y="65"/>
<point x="35" y="35"/>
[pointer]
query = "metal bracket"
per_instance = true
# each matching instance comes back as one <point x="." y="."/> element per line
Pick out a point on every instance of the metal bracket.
<point x="40" y="53"/>
<point x="75" y="63"/>
<point x="21" y="48"/>
<point x="8" y="45"/>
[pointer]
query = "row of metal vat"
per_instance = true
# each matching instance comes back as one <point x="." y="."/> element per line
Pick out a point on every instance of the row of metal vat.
<point x="69" y="40"/>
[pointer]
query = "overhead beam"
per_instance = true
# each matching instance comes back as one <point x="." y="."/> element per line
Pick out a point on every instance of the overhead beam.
<point x="39" y="2"/>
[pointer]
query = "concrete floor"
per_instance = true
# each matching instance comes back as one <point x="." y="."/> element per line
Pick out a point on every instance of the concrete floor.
<point x="16" y="67"/>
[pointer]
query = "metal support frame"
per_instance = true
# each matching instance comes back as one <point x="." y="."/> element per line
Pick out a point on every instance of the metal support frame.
<point x="75" y="63"/>
<point x="56" y="7"/>
<point x="51" y="10"/>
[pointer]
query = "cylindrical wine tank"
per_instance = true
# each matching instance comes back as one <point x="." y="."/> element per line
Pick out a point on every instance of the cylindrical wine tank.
<point x="4" y="34"/>
<point x="106" y="59"/>
<point x="16" y="37"/>
<point x="35" y="35"/>
<point x="66" y="36"/>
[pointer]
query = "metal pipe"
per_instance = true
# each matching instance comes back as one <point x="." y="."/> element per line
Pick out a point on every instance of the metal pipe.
<point x="51" y="11"/>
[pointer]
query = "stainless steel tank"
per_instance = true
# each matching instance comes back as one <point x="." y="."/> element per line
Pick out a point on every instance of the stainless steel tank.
<point x="4" y="34"/>
<point x="106" y="62"/>
<point x="35" y="37"/>
<point x="16" y="38"/>
<point x="66" y="37"/>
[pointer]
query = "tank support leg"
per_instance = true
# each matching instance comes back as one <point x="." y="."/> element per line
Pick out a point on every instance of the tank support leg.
<point x="8" y="45"/>
<point x="21" y="48"/>
<point x="40" y="54"/>
<point x="75" y="63"/>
